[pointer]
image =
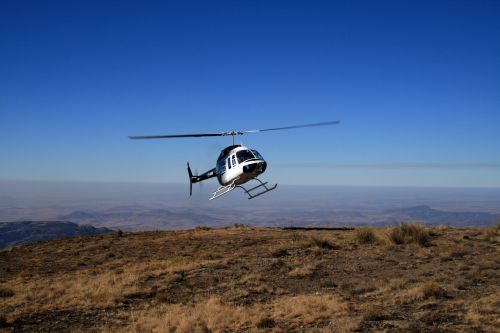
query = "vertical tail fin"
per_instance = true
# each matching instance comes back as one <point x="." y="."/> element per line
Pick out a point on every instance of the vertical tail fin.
<point x="190" y="180"/>
<point x="198" y="178"/>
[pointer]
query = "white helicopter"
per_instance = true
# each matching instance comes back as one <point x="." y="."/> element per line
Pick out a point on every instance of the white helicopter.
<point x="236" y="164"/>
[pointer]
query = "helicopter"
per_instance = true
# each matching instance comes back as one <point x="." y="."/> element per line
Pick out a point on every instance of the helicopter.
<point x="236" y="164"/>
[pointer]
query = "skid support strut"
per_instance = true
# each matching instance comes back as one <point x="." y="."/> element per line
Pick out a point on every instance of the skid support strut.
<point x="265" y="190"/>
<point x="222" y="190"/>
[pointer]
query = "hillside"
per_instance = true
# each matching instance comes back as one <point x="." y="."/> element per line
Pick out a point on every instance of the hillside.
<point x="137" y="219"/>
<point x="12" y="233"/>
<point x="399" y="279"/>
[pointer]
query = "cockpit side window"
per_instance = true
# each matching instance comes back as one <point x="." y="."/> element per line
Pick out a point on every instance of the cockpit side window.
<point x="244" y="155"/>
<point x="234" y="160"/>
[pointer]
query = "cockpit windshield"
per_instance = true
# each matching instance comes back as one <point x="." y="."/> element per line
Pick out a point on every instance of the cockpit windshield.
<point x="244" y="155"/>
<point x="257" y="155"/>
<point x="221" y="167"/>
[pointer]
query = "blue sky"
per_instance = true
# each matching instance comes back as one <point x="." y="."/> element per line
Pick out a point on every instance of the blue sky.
<point x="411" y="81"/>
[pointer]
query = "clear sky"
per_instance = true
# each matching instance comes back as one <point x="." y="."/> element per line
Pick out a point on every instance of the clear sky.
<point x="415" y="82"/>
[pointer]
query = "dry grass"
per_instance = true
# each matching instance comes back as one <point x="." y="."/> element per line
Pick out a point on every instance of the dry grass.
<point x="424" y="291"/>
<point x="90" y="289"/>
<point x="360" y="288"/>
<point x="306" y="309"/>
<point x="74" y="290"/>
<point x="205" y="316"/>
<point x="215" y="315"/>
<point x="251" y="279"/>
<point x="484" y="312"/>
<point x="303" y="270"/>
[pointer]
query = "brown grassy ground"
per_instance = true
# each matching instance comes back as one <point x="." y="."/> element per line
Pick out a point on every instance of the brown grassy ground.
<point x="241" y="279"/>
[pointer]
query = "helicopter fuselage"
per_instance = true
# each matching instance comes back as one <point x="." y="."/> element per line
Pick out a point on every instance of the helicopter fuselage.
<point x="235" y="166"/>
<point x="238" y="164"/>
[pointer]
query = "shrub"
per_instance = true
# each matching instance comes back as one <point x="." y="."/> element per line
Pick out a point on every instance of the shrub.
<point x="203" y="227"/>
<point x="6" y="292"/>
<point x="396" y="236"/>
<point x="374" y="315"/>
<point x="410" y="233"/>
<point x="280" y="252"/>
<point x="277" y="264"/>
<point x="362" y="288"/>
<point x="416" y="233"/>
<point x="433" y="290"/>
<point x="266" y="323"/>
<point x="365" y="236"/>
<point x="3" y="322"/>
<point x="492" y="233"/>
<point x="323" y="243"/>
<point x="329" y="284"/>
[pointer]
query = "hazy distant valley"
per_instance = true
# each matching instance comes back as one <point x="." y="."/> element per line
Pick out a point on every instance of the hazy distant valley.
<point x="134" y="207"/>
<point x="137" y="207"/>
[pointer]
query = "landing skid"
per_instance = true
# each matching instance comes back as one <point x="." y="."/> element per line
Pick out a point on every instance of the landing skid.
<point x="266" y="189"/>
<point x="228" y="188"/>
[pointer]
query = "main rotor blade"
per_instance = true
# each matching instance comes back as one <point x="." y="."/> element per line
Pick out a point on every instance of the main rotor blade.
<point x="335" y="122"/>
<point x="396" y="165"/>
<point x="177" y="136"/>
<point x="233" y="133"/>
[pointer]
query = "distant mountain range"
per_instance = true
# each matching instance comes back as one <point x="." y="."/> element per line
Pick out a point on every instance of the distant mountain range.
<point x="427" y="215"/>
<point x="12" y="233"/>
<point x="134" y="219"/>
